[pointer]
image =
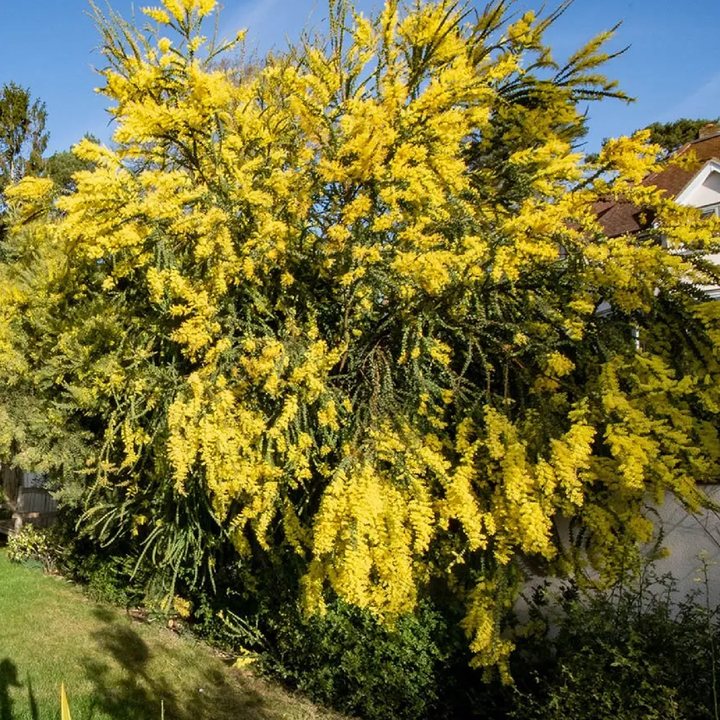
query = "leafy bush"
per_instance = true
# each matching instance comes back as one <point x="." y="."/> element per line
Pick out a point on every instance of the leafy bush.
<point x="107" y="573"/>
<point x="344" y="658"/>
<point x="632" y="654"/>
<point x="110" y="580"/>
<point x="347" y="660"/>
<point x="31" y="544"/>
<point x="107" y="578"/>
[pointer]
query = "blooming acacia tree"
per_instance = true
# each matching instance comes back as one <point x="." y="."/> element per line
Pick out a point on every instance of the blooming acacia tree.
<point x="344" y="305"/>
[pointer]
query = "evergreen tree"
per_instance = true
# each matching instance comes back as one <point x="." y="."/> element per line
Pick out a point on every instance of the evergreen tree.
<point x="672" y="135"/>
<point x="22" y="134"/>
<point x="62" y="166"/>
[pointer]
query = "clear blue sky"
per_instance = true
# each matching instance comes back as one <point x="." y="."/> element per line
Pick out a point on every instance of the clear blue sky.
<point x="672" y="66"/>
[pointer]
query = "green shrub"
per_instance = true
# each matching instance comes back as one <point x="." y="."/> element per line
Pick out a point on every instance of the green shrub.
<point x="629" y="655"/>
<point x="33" y="545"/>
<point x="110" y="580"/>
<point x="633" y="654"/>
<point x="107" y="574"/>
<point x="346" y="660"/>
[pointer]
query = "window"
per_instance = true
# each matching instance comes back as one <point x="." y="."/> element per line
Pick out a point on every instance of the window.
<point x="708" y="210"/>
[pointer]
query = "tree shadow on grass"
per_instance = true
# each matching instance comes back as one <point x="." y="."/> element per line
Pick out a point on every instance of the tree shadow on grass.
<point x="126" y="689"/>
<point x="32" y="702"/>
<point x="9" y="679"/>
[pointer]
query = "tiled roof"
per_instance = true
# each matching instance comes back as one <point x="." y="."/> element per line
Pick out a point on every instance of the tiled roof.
<point x="619" y="217"/>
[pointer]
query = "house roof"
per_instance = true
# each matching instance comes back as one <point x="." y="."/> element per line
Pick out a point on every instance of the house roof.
<point x="619" y="217"/>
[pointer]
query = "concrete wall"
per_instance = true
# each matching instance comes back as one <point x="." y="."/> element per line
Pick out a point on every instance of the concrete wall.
<point x="686" y="537"/>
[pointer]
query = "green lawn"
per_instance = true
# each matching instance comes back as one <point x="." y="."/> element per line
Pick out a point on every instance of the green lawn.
<point x="115" y="669"/>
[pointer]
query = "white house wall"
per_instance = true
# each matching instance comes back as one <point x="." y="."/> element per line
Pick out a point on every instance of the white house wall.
<point x="688" y="538"/>
<point x="702" y="191"/>
<point x="704" y="188"/>
<point x="707" y="193"/>
<point x="691" y="541"/>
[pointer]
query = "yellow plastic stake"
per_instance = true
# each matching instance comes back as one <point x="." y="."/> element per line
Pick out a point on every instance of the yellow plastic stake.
<point x="64" y="707"/>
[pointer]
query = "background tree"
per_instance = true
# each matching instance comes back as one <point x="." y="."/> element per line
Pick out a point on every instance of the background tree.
<point x="61" y="166"/>
<point x="22" y="134"/>
<point x="672" y="135"/>
<point x="304" y="324"/>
